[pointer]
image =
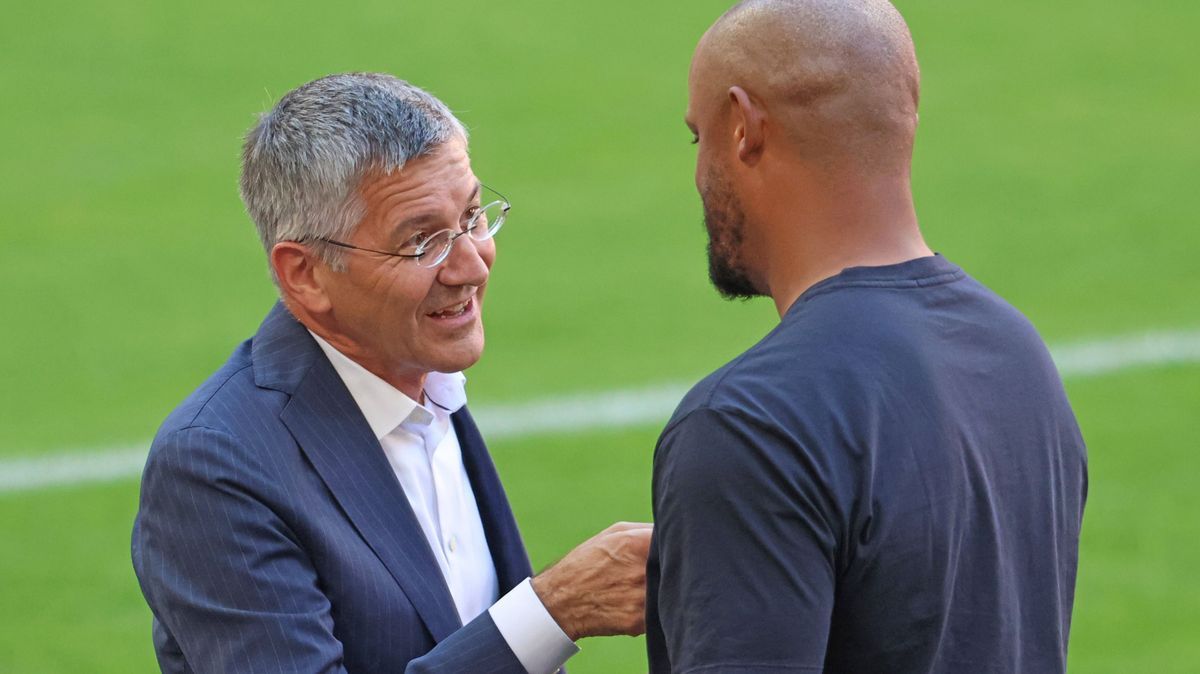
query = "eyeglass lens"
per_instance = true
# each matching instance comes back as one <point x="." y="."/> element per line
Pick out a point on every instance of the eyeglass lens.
<point x="484" y="226"/>
<point x="488" y="221"/>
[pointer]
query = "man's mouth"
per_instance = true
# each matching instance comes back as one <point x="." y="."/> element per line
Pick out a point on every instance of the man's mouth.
<point x="454" y="310"/>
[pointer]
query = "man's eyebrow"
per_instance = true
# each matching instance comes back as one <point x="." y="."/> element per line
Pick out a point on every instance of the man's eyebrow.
<point x="401" y="229"/>
<point x="421" y="219"/>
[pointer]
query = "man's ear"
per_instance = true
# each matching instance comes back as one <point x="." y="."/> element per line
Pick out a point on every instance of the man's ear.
<point x="300" y="275"/>
<point x="750" y="120"/>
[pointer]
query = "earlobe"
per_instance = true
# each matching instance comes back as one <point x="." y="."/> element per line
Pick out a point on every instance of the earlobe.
<point x="750" y="120"/>
<point x="299" y="279"/>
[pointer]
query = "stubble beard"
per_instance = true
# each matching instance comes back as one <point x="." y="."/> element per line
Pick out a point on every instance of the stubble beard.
<point x="726" y="223"/>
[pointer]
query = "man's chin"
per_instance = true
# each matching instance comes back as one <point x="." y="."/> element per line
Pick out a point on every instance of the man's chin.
<point x="730" y="282"/>
<point x="461" y="355"/>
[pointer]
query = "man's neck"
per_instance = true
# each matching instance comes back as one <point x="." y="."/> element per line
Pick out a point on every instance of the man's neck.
<point x="788" y="290"/>
<point x="410" y="384"/>
<point x="865" y="228"/>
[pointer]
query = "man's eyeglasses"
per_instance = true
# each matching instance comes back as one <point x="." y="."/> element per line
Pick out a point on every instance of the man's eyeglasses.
<point x="432" y="250"/>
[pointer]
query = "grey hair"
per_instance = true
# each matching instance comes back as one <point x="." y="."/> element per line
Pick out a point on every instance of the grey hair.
<point x="305" y="160"/>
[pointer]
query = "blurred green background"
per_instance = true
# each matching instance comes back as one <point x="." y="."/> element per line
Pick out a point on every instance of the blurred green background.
<point x="1056" y="162"/>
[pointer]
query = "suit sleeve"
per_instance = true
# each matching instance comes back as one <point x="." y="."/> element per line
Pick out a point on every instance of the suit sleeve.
<point x="231" y="589"/>
<point x="741" y="574"/>
<point x="477" y="646"/>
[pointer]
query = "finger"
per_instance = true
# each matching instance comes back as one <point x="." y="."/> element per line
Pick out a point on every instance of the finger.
<point x="639" y="539"/>
<point x="628" y="526"/>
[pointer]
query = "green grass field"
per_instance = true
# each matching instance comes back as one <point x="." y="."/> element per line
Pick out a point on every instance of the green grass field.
<point x="1056" y="160"/>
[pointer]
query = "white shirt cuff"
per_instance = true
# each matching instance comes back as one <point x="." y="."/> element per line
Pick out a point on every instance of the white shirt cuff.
<point x="538" y="642"/>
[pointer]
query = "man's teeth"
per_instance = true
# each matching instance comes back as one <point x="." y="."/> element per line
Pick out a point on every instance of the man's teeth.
<point x="456" y="310"/>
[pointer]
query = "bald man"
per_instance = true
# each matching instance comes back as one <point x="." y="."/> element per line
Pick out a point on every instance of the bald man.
<point x="892" y="480"/>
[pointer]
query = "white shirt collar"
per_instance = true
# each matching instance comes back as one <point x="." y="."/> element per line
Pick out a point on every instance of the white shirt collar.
<point x="383" y="405"/>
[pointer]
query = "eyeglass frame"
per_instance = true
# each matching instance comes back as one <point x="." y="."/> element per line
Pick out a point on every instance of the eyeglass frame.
<point x="505" y="207"/>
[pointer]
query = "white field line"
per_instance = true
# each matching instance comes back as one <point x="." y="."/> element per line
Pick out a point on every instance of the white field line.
<point x="605" y="410"/>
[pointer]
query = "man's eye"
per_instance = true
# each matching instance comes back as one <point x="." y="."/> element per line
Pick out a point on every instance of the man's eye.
<point x="416" y="240"/>
<point x="469" y="217"/>
<point x="695" y="139"/>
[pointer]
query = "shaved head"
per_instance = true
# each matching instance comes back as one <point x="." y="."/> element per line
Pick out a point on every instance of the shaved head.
<point x="804" y="112"/>
<point x="838" y="78"/>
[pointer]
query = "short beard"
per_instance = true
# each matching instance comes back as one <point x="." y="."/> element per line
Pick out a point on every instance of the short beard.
<point x="726" y="222"/>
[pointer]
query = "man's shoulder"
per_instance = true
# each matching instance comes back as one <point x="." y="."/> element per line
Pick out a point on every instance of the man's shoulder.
<point x="755" y="393"/>
<point x="853" y="351"/>
<point x="774" y="377"/>
<point x="226" y="401"/>
<point x="716" y="391"/>
<point x="228" y="430"/>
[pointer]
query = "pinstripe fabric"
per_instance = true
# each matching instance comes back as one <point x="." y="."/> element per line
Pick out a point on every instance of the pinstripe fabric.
<point x="272" y="535"/>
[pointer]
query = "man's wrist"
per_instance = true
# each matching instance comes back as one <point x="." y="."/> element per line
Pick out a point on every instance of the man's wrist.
<point x="531" y="631"/>
<point x="554" y="598"/>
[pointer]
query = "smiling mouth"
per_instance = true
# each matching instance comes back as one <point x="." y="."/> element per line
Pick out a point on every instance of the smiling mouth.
<point x="455" y="310"/>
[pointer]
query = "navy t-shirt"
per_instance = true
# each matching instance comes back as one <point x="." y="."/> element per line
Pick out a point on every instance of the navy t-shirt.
<point x="892" y="480"/>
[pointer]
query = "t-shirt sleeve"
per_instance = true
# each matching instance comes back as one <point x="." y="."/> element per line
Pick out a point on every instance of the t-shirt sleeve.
<point x="742" y="570"/>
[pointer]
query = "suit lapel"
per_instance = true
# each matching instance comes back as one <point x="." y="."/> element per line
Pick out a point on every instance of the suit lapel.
<point x="499" y="525"/>
<point x="333" y="434"/>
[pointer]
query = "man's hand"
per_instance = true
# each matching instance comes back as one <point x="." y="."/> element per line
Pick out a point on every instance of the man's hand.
<point x="599" y="588"/>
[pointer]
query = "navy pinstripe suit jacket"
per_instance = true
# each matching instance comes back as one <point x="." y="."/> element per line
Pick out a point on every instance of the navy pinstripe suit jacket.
<point x="273" y="536"/>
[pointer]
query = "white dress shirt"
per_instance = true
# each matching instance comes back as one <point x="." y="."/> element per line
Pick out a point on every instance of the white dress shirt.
<point x="422" y="448"/>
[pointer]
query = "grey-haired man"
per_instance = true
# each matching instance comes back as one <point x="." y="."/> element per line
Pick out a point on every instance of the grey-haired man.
<point x="324" y="502"/>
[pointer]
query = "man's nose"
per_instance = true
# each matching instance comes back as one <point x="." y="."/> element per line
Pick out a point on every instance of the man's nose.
<point x="465" y="266"/>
